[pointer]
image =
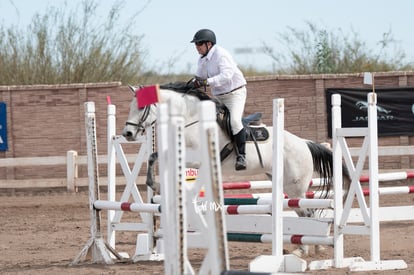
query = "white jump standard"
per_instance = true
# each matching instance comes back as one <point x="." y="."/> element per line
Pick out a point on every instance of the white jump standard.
<point x="97" y="247"/>
<point x="370" y="225"/>
<point x="102" y="251"/>
<point x="145" y="249"/>
<point x="177" y="196"/>
<point x="341" y="213"/>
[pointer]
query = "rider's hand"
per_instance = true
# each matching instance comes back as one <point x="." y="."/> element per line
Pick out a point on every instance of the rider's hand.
<point x="200" y="82"/>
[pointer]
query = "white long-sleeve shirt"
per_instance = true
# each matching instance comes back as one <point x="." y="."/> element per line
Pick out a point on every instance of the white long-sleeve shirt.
<point x="220" y="70"/>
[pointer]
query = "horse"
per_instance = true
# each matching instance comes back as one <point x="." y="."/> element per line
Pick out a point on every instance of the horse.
<point x="301" y="157"/>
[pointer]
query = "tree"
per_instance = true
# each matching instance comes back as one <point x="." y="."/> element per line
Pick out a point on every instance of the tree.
<point x="318" y="50"/>
<point x="63" y="46"/>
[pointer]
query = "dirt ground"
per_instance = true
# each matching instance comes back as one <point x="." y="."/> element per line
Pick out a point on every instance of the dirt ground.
<point x="42" y="232"/>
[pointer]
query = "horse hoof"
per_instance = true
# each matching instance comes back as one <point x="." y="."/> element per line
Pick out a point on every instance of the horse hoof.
<point x="155" y="186"/>
<point x="150" y="184"/>
<point x="302" y="251"/>
<point x="319" y="249"/>
<point x="298" y="252"/>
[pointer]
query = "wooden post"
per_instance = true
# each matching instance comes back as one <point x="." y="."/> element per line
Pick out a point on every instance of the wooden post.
<point x="71" y="170"/>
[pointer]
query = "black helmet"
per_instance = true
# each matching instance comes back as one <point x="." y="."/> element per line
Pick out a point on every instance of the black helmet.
<point x="204" y="35"/>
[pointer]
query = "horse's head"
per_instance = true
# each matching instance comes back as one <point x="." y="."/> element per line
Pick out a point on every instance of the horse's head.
<point x="138" y="119"/>
<point x="183" y="98"/>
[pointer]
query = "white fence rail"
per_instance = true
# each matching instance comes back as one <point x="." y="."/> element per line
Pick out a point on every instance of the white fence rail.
<point x="72" y="161"/>
<point x="388" y="151"/>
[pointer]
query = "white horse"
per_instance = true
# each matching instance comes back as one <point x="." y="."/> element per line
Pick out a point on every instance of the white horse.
<point x="301" y="157"/>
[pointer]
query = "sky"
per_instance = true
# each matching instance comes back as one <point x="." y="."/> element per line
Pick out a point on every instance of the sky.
<point x="168" y="26"/>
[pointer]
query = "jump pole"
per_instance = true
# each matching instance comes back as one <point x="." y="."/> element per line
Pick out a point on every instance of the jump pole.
<point x="287" y="203"/>
<point x="287" y="239"/>
<point x="267" y="184"/>
<point x="390" y="176"/>
<point x="382" y="191"/>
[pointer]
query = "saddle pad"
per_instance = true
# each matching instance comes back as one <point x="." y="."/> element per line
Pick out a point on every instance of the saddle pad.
<point x="259" y="133"/>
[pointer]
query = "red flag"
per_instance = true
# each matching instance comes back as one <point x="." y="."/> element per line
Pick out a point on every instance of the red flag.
<point x="148" y="95"/>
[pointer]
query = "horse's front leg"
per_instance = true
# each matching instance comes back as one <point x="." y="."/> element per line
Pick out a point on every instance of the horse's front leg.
<point x="155" y="186"/>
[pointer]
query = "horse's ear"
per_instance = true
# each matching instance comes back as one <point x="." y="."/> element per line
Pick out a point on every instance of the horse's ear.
<point x="132" y="88"/>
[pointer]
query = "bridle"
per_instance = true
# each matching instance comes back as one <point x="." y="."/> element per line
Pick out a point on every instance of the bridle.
<point x="140" y="125"/>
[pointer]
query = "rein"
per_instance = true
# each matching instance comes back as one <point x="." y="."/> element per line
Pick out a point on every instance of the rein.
<point x="224" y="152"/>
<point x="144" y="117"/>
<point x="141" y="121"/>
<point x="191" y="124"/>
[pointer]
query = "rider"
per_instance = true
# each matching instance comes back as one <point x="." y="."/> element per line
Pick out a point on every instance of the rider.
<point x="217" y="69"/>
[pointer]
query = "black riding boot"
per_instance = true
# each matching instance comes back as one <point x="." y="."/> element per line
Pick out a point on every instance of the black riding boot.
<point x="240" y="140"/>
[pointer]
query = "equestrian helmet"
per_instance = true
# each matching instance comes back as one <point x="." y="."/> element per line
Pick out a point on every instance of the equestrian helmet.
<point x="204" y="35"/>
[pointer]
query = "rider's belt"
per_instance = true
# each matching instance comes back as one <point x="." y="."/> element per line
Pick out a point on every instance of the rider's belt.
<point x="233" y="90"/>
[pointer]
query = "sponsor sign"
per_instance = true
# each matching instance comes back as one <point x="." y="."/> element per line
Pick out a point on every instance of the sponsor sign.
<point x="395" y="109"/>
<point x="3" y="127"/>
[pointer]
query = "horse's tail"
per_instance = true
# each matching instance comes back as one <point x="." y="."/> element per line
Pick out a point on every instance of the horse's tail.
<point x="323" y="165"/>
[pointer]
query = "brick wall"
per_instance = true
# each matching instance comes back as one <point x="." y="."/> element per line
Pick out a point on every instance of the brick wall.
<point x="48" y="120"/>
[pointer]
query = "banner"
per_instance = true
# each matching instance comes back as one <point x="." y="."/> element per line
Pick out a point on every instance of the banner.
<point x="395" y="109"/>
<point x="3" y="127"/>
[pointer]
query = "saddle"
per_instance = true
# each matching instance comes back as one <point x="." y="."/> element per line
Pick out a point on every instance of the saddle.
<point x="252" y="123"/>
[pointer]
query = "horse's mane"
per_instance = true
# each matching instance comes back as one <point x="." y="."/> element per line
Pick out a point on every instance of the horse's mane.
<point x="186" y="88"/>
<point x="223" y="115"/>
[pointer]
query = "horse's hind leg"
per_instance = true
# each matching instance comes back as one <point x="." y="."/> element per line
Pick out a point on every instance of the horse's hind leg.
<point x="302" y="250"/>
<point x="317" y="214"/>
<point x="296" y="183"/>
